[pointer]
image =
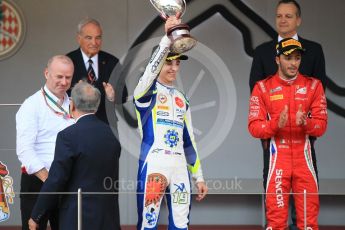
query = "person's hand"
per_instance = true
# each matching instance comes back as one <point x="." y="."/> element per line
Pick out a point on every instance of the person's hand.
<point x="109" y="91"/>
<point x="283" y="118"/>
<point x="171" y="22"/>
<point x="32" y="224"/>
<point x="301" y="117"/>
<point x="42" y="174"/>
<point x="202" y="190"/>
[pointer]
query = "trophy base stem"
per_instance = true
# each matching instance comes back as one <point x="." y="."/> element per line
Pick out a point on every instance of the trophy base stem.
<point x="183" y="44"/>
<point x="181" y="39"/>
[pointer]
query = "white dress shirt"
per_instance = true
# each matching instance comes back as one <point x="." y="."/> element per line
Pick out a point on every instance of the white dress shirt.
<point x="37" y="126"/>
<point x="294" y="37"/>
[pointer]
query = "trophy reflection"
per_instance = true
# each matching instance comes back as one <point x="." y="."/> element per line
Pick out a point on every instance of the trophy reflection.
<point x="180" y="36"/>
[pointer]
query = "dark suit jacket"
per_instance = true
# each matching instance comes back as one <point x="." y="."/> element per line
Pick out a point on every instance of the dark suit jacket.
<point x="106" y="64"/>
<point x="264" y="64"/>
<point x="85" y="157"/>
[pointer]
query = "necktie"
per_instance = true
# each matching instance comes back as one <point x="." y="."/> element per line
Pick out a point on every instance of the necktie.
<point x="91" y="76"/>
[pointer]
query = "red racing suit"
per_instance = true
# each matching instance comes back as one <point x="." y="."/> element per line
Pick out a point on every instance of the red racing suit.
<point x="290" y="163"/>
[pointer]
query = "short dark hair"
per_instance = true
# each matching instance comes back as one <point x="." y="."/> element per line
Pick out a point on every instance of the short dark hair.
<point x="299" y="13"/>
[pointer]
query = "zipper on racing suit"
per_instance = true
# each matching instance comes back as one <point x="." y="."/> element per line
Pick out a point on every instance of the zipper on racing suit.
<point x="171" y="93"/>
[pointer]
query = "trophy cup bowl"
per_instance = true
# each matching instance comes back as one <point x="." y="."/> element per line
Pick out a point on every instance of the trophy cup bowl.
<point x="180" y="36"/>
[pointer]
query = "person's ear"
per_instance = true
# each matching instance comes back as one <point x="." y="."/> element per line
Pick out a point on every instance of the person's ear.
<point x="46" y="73"/>
<point x="78" y="38"/>
<point x="277" y="60"/>
<point x="299" y="21"/>
<point x="72" y="106"/>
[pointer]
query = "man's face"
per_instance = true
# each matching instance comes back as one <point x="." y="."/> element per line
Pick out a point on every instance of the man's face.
<point x="289" y="65"/>
<point x="59" y="76"/>
<point x="287" y="20"/>
<point x="90" y="39"/>
<point x="168" y="73"/>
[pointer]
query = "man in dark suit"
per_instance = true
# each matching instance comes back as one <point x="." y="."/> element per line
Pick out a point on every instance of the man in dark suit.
<point x="96" y="66"/>
<point x="79" y="162"/>
<point x="288" y="19"/>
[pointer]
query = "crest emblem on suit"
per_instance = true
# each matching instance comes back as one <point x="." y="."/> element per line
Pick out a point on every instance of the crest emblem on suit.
<point x="156" y="184"/>
<point x="162" y="98"/>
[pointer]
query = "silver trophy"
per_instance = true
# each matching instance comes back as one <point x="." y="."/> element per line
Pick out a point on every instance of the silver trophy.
<point x="180" y="36"/>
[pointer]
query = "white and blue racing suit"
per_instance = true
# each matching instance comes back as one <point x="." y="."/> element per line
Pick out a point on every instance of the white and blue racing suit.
<point x="168" y="148"/>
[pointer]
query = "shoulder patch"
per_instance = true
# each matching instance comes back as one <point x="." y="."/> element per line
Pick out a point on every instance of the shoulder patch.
<point x="313" y="84"/>
<point x="262" y="86"/>
<point x="311" y="81"/>
<point x="183" y="95"/>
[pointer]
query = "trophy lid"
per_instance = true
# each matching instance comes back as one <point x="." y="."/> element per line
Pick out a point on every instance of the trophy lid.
<point x="169" y="7"/>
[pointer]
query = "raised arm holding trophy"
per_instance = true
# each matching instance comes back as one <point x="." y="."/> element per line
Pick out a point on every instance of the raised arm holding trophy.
<point x="168" y="161"/>
<point x="180" y="36"/>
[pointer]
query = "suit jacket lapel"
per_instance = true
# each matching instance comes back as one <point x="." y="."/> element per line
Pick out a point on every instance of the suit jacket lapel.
<point x="81" y="65"/>
<point x="301" y="40"/>
<point x="101" y="67"/>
